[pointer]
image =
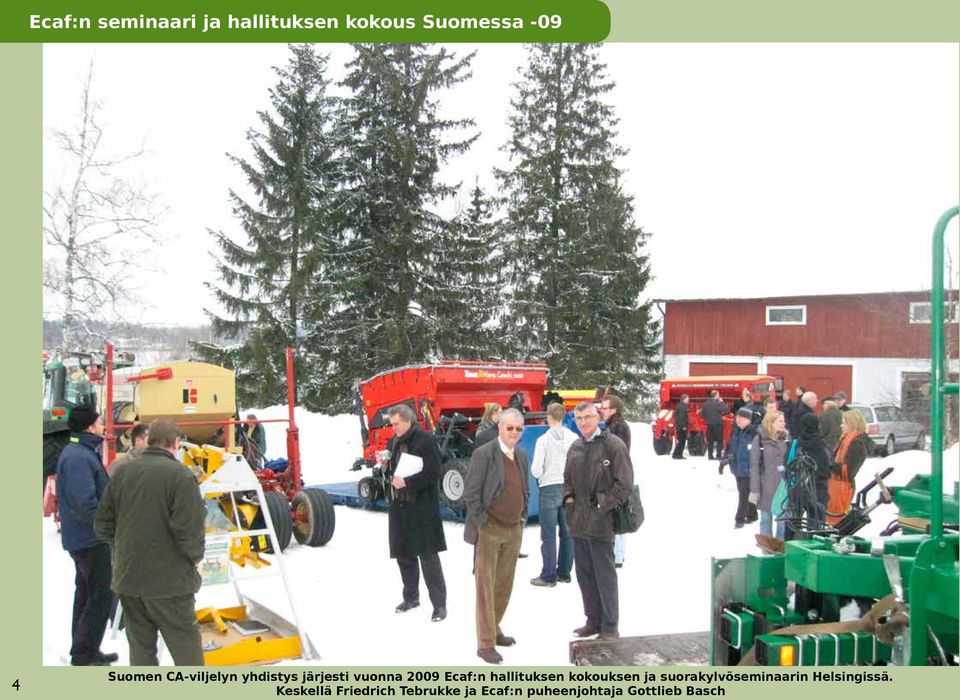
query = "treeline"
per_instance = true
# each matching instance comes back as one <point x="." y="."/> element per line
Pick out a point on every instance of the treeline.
<point x="162" y="342"/>
<point x="345" y="256"/>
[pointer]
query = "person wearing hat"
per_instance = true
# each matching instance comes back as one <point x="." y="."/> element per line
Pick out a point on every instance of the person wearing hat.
<point x="737" y="456"/>
<point x="81" y="481"/>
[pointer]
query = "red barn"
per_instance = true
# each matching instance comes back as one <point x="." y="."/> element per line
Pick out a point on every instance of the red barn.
<point x="875" y="347"/>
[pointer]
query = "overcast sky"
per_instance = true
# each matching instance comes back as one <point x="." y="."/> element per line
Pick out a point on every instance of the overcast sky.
<point x="758" y="169"/>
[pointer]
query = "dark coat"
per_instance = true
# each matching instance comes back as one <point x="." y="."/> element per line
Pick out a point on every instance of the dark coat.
<point x="713" y="411"/>
<point x="766" y="467"/>
<point x="486" y="431"/>
<point x="812" y="443"/>
<point x="153" y="516"/>
<point x="619" y="427"/>
<point x="830" y="427"/>
<point x="414" y="520"/>
<point x="484" y="482"/>
<point x="681" y="416"/>
<point x="81" y="481"/>
<point x="738" y="450"/>
<point x="797" y="415"/>
<point x="599" y="477"/>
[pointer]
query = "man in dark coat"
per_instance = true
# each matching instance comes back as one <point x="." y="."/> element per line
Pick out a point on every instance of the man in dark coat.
<point x="737" y="456"/>
<point x="81" y="482"/>
<point x="611" y="411"/>
<point x="681" y="421"/>
<point x="830" y="421"/>
<point x="153" y="515"/>
<point x="806" y="405"/>
<point x="712" y="412"/>
<point x="598" y="477"/>
<point x="416" y="532"/>
<point x="496" y="494"/>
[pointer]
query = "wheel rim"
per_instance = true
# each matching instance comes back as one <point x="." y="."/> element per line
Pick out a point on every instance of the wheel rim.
<point x="302" y="520"/>
<point x="453" y="485"/>
<point x="365" y="490"/>
<point x="921" y="441"/>
<point x="890" y="445"/>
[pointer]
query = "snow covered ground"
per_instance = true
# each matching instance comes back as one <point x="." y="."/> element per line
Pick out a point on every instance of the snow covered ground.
<point x="345" y="592"/>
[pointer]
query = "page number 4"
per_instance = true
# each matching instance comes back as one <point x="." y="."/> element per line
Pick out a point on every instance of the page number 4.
<point x="16" y="684"/>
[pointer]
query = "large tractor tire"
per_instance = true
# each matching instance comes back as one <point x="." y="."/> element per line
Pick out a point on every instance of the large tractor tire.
<point x="280" y="516"/>
<point x="452" y="477"/>
<point x="696" y="445"/>
<point x="663" y="444"/>
<point x="368" y="490"/>
<point x="53" y="444"/>
<point x="314" y="517"/>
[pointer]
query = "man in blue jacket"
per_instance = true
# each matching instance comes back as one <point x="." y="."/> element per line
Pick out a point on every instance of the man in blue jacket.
<point x="81" y="481"/>
<point x="738" y="457"/>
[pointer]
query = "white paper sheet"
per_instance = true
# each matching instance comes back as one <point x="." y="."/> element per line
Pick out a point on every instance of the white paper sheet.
<point x="408" y="465"/>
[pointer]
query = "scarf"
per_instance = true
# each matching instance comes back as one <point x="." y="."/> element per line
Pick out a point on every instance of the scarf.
<point x="840" y="457"/>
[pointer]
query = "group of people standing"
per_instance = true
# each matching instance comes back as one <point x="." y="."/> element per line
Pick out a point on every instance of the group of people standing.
<point x="137" y="533"/>
<point x="768" y="447"/>
<point x="581" y="480"/>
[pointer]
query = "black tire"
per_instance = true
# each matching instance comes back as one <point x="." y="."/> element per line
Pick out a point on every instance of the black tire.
<point x="53" y="444"/>
<point x="280" y="516"/>
<point x="452" y="478"/>
<point x="696" y="445"/>
<point x="890" y="446"/>
<point x="663" y="445"/>
<point x="315" y="520"/>
<point x="921" y="443"/>
<point x="367" y="490"/>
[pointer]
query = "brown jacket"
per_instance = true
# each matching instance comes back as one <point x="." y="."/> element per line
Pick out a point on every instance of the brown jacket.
<point x="484" y="482"/>
<point x="599" y="477"/>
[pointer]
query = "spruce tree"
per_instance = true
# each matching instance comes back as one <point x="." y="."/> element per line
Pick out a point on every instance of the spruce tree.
<point x="273" y="287"/>
<point x="465" y="275"/>
<point x="576" y="260"/>
<point x="397" y="143"/>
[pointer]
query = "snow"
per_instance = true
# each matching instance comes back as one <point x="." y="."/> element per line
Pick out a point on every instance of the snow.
<point x="345" y="592"/>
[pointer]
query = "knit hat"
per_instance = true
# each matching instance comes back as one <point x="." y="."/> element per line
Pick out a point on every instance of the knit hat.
<point x="81" y="418"/>
<point x="745" y="413"/>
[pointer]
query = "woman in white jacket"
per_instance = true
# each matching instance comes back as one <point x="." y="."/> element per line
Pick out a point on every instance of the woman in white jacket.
<point x="549" y="460"/>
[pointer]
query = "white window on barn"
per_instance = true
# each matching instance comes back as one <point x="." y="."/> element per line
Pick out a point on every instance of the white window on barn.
<point x="920" y="311"/>
<point x="787" y="315"/>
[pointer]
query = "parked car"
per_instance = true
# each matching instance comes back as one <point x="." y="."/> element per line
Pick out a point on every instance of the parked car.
<point x="890" y="429"/>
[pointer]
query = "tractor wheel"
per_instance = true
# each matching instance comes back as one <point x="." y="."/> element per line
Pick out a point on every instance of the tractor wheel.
<point x="663" y="444"/>
<point x="367" y="490"/>
<point x="280" y="516"/>
<point x="53" y="444"/>
<point x="314" y="517"/>
<point x="890" y="446"/>
<point x="452" y="476"/>
<point x="696" y="445"/>
<point x="921" y="443"/>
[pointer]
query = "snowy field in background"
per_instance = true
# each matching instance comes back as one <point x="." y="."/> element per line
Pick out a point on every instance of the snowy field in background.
<point x="345" y="592"/>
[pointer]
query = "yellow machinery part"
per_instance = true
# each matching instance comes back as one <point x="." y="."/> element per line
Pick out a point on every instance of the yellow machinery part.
<point x="254" y="650"/>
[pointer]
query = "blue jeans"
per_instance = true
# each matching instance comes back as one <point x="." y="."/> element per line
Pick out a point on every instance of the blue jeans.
<point x="766" y="525"/>
<point x="552" y="517"/>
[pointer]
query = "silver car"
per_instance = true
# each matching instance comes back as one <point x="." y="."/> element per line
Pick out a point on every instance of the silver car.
<point x="890" y="429"/>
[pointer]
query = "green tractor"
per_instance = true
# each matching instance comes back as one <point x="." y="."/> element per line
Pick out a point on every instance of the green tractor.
<point x="69" y="380"/>
<point x="784" y="608"/>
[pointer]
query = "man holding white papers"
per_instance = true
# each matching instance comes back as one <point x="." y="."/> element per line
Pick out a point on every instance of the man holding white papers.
<point x="416" y="533"/>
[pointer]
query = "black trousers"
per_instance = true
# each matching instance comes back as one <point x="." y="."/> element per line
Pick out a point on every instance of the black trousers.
<point x="715" y="440"/>
<point x="597" y="578"/>
<point x="92" y="600"/>
<point x="745" y="509"/>
<point x="681" y="442"/>
<point x="432" y="574"/>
